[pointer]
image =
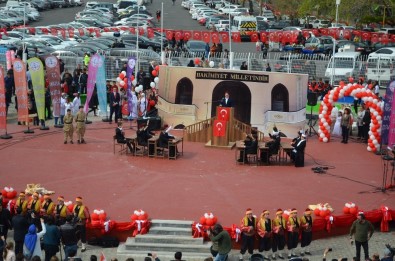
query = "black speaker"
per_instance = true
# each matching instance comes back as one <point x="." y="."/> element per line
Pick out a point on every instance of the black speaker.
<point x="311" y="99"/>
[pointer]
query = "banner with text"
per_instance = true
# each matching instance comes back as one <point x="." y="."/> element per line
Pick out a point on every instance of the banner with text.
<point x="53" y="76"/>
<point x="3" y="105"/>
<point x="93" y="67"/>
<point x="388" y="126"/>
<point x="101" y="87"/>
<point x="21" y="89"/>
<point x="36" y="69"/>
<point x="129" y="73"/>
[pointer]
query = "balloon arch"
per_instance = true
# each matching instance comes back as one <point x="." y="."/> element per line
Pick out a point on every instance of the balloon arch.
<point x="357" y="91"/>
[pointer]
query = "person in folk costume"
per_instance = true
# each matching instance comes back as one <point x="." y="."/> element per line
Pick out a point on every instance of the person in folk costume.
<point x="248" y="229"/>
<point x="34" y="204"/>
<point x="278" y="227"/>
<point x="61" y="212"/>
<point x="48" y="206"/>
<point x="306" y="225"/>
<point x="298" y="152"/>
<point x="264" y="229"/>
<point x="81" y="215"/>
<point x="21" y="202"/>
<point x="293" y="233"/>
<point x="68" y="128"/>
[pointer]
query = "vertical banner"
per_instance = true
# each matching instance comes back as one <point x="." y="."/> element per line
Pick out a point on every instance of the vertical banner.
<point x="53" y="76"/>
<point x="219" y="128"/>
<point x="36" y="69"/>
<point x="101" y="87"/>
<point x="223" y="113"/>
<point x="129" y="73"/>
<point x="8" y="59"/>
<point x="388" y="125"/>
<point x="3" y="106"/>
<point x="21" y="89"/>
<point x="93" y="66"/>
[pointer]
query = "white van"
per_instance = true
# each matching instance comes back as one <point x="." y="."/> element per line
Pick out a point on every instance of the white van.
<point x="381" y="65"/>
<point x="246" y="25"/>
<point x="346" y="64"/>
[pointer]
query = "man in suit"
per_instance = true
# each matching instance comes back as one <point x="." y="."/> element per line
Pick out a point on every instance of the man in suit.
<point x="20" y="225"/>
<point x="298" y="152"/>
<point x="120" y="136"/>
<point x="115" y="100"/>
<point x="226" y="101"/>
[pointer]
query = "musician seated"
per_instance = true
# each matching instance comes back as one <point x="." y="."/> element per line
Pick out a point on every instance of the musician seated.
<point x="164" y="138"/>
<point x="144" y="134"/>
<point x="120" y="137"/>
<point x="251" y="147"/>
<point x="273" y="145"/>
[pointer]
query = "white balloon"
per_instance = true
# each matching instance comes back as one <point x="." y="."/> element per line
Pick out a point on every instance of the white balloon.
<point x="326" y="124"/>
<point x="156" y="80"/>
<point x="324" y="112"/>
<point x="375" y="113"/>
<point x="372" y="137"/>
<point x="370" y="133"/>
<point x="331" y="100"/>
<point x="141" y="86"/>
<point x="211" y="64"/>
<point x="325" y="108"/>
<point x="321" y="116"/>
<point x="122" y="83"/>
<point x="375" y="101"/>
<point x="370" y="99"/>
<point x="325" y="139"/>
<point x="152" y="84"/>
<point x="369" y="149"/>
<point x="323" y="120"/>
<point x="118" y="79"/>
<point x="124" y="73"/>
<point x="375" y="142"/>
<point x="322" y="135"/>
<point x="134" y="82"/>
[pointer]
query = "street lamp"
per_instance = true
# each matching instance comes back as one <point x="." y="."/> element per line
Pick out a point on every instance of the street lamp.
<point x="334" y="45"/>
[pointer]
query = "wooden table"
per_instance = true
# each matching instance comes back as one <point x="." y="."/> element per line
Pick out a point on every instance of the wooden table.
<point x="173" y="154"/>
<point x="240" y="146"/>
<point x="285" y="149"/>
<point x="262" y="148"/>
<point x="152" y="146"/>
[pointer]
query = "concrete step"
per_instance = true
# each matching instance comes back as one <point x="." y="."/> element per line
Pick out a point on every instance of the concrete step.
<point x="132" y="245"/>
<point x="168" y="239"/>
<point x="139" y="255"/>
<point x="171" y="223"/>
<point x="176" y="231"/>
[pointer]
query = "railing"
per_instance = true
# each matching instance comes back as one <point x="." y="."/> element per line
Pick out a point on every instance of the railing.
<point x="200" y="131"/>
<point x="241" y="130"/>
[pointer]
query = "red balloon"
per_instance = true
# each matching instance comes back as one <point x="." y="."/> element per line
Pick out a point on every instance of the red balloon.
<point x="317" y="211"/>
<point x="94" y="216"/>
<point x="215" y="219"/>
<point x="157" y="68"/>
<point x="134" y="217"/>
<point x="103" y="216"/>
<point x="322" y="213"/>
<point x="346" y="210"/>
<point x="144" y="216"/>
<point x="121" y="76"/>
<point x="4" y="193"/>
<point x="197" y="61"/>
<point x="209" y="222"/>
<point x="202" y="220"/>
<point x="354" y="210"/>
<point x="70" y="207"/>
<point x="154" y="73"/>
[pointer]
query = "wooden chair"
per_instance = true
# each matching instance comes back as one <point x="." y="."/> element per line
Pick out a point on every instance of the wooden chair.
<point x="252" y="159"/>
<point x="139" y="149"/>
<point x="122" y="146"/>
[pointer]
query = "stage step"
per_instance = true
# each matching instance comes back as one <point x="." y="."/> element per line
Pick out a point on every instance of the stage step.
<point x="175" y="231"/>
<point x="171" y="223"/>
<point x="138" y="255"/>
<point x="168" y="239"/>
<point x="132" y="245"/>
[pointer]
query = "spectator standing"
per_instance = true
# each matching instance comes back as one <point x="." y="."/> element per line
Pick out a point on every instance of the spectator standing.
<point x="68" y="234"/>
<point x="51" y="239"/>
<point x="244" y="66"/>
<point x="362" y="230"/>
<point x="224" y="242"/>
<point x="32" y="245"/>
<point x="20" y="226"/>
<point x="158" y="13"/>
<point x="9" y="254"/>
<point x="83" y="81"/>
<point x="5" y="222"/>
<point x="268" y="68"/>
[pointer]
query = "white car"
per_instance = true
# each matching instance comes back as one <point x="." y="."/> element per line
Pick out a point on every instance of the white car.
<point x="142" y="16"/>
<point x="228" y="9"/>
<point x="206" y="14"/>
<point x="222" y="25"/>
<point x="8" y="41"/>
<point x="319" y="23"/>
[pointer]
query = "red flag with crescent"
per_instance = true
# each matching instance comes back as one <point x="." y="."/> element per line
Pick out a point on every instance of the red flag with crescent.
<point x="71" y="32"/>
<point x="347" y="34"/>
<point x="114" y="29"/>
<point x="54" y="32"/>
<point x="125" y="28"/>
<point x="141" y="31"/>
<point x="215" y="37"/>
<point x="356" y="32"/>
<point x="365" y="36"/>
<point x="306" y="33"/>
<point x="316" y="32"/>
<point x="63" y="33"/>
<point x="106" y="29"/>
<point x="219" y="128"/>
<point x="32" y="30"/>
<point x="206" y="37"/>
<point x="263" y="37"/>
<point x="324" y="31"/>
<point x="81" y="31"/>
<point x="287" y="37"/>
<point x="375" y="38"/>
<point x="169" y="34"/>
<point x="254" y="37"/>
<point x="392" y="38"/>
<point x="187" y="35"/>
<point x="178" y="35"/>
<point x="150" y="33"/>
<point x="197" y="35"/>
<point x="97" y="31"/>
<point x="224" y="37"/>
<point x="223" y="113"/>
<point x="384" y="39"/>
<point x="279" y="35"/>
<point x="236" y="37"/>
<point x="132" y="30"/>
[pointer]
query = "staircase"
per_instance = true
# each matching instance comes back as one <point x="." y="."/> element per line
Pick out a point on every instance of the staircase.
<point x="166" y="237"/>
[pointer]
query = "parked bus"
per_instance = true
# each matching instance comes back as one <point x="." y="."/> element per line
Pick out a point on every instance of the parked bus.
<point x="246" y="25"/>
<point x="381" y="66"/>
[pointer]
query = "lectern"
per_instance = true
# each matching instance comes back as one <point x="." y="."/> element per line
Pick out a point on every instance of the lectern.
<point x="221" y="126"/>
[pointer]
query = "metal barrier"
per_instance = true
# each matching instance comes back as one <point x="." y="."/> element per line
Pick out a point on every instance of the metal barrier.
<point x="316" y="65"/>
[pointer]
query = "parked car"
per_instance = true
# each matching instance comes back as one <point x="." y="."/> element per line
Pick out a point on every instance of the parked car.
<point x="360" y="47"/>
<point x="320" y="23"/>
<point x="324" y="44"/>
<point x="143" y="42"/>
<point x="196" y="48"/>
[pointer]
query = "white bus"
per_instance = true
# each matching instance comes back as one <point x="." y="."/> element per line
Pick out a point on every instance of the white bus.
<point x="246" y="25"/>
<point x="346" y="64"/>
<point x="381" y="66"/>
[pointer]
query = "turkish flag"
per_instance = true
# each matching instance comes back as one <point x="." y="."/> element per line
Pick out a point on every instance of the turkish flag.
<point x="263" y="37"/>
<point x="125" y="28"/>
<point x="279" y="35"/>
<point x="236" y="37"/>
<point x="215" y="37"/>
<point x="178" y="35"/>
<point x="63" y="33"/>
<point x="384" y="39"/>
<point x="306" y="33"/>
<point x="287" y="38"/>
<point x="324" y="31"/>
<point x="366" y="36"/>
<point x="187" y="35"/>
<point x="81" y="31"/>
<point x="169" y="34"/>
<point x="219" y="128"/>
<point x="224" y="37"/>
<point x="347" y="34"/>
<point x="54" y="32"/>
<point x="106" y="29"/>
<point x="132" y="30"/>
<point x="254" y="37"/>
<point x="150" y="33"/>
<point x="316" y="32"/>
<point x="197" y="35"/>
<point x="32" y="30"/>
<point x="392" y="38"/>
<point x="141" y="31"/>
<point x="97" y="31"/>
<point x="206" y="37"/>
<point x="114" y="29"/>
<point x="223" y="113"/>
<point x="125" y="108"/>
<point x="295" y="36"/>
<point x="71" y="32"/>
<point x="375" y="38"/>
<point x="356" y="32"/>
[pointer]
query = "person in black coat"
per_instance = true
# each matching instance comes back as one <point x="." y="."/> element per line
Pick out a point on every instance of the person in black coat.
<point x="273" y="146"/>
<point x="251" y="147"/>
<point x="115" y="100"/>
<point x="366" y="124"/>
<point x="5" y="222"/>
<point x="226" y="101"/>
<point x="298" y="152"/>
<point x="120" y="136"/>
<point x="20" y="226"/>
<point x="144" y="134"/>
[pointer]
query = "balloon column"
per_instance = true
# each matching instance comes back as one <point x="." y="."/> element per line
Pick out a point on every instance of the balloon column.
<point x="140" y="222"/>
<point x="350" y="208"/>
<point x="98" y="216"/>
<point x="122" y="80"/>
<point x="358" y="91"/>
<point x="155" y="73"/>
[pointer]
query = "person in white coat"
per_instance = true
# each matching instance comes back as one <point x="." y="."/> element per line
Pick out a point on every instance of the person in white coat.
<point x="76" y="104"/>
<point x="143" y="105"/>
<point x="68" y="105"/>
<point x="134" y="111"/>
<point x="62" y="108"/>
<point x="32" y="245"/>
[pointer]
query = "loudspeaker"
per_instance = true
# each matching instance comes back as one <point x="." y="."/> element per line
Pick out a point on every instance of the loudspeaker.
<point x="312" y="99"/>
